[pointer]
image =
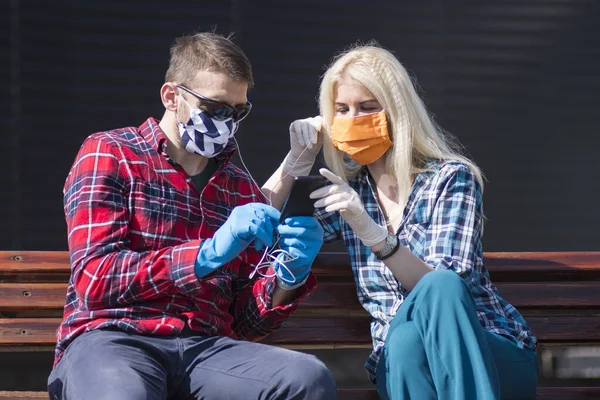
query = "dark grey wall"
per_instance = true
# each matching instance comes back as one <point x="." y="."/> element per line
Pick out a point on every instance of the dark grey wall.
<point x="516" y="81"/>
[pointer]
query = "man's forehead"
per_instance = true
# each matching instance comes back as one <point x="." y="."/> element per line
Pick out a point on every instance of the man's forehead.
<point x="219" y="86"/>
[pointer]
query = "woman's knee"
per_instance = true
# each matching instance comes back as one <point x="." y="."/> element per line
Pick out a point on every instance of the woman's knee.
<point x="443" y="282"/>
<point x="404" y="346"/>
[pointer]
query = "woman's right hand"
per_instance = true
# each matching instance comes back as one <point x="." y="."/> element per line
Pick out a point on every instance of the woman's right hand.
<point x="342" y="198"/>
<point x="305" y="135"/>
<point x="305" y="144"/>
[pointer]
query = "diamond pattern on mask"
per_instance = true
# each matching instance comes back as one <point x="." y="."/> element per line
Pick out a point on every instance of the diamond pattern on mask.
<point x="204" y="135"/>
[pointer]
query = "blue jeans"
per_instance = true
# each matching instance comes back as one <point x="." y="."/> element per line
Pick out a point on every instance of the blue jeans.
<point x="109" y="364"/>
<point x="437" y="349"/>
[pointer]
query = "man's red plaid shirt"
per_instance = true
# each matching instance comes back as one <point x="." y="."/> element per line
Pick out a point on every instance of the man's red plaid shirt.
<point x="135" y="222"/>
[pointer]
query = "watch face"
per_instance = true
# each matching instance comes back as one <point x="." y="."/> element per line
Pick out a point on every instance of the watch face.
<point x="390" y="240"/>
<point x="390" y="244"/>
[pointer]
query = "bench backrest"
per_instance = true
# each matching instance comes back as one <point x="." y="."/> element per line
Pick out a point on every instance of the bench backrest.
<point x="558" y="293"/>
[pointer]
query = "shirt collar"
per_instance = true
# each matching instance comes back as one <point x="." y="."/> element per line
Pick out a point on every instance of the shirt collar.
<point x="155" y="137"/>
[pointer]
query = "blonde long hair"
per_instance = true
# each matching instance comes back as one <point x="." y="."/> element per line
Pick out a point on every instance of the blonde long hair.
<point x="416" y="138"/>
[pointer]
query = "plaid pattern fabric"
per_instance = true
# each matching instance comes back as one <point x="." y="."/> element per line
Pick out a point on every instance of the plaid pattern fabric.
<point x="442" y="225"/>
<point x="135" y="221"/>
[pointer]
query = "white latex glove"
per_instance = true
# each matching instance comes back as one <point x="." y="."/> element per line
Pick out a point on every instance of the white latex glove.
<point x="342" y="198"/>
<point x="305" y="143"/>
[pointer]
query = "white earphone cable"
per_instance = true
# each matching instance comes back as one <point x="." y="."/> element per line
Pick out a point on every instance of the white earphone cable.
<point x="269" y="257"/>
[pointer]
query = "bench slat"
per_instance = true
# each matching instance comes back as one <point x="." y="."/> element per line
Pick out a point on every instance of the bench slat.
<point x="503" y="267"/>
<point x="35" y="261"/>
<point x="23" y="395"/>
<point x="341" y="330"/>
<point x="332" y="296"/>
<point x="314" y="331"/>
<point x="523" y="267"/>
<point x="32" y="296"/>
<point x="28" y="331"/>
<point x="522" y="295"/>
<point x="551" y="295"/>
<point x="571" y="393"/>
<point x="298" y="330"/>
<point x="544" y="393"/>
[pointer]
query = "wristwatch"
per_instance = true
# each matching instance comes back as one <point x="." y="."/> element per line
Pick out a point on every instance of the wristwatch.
<point x="391" y="246"/>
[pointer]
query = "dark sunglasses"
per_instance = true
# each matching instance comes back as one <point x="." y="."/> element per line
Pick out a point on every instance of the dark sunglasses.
<point x="218" y="109"/>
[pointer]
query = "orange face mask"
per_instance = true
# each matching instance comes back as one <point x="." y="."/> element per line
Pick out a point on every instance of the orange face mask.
<point x="363" y="138"/>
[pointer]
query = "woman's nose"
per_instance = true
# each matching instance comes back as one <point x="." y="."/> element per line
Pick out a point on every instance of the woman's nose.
<point x="353" y="112"/>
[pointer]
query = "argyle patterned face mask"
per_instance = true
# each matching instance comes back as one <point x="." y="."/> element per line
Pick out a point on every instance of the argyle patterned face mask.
<point x="205" y="135"/>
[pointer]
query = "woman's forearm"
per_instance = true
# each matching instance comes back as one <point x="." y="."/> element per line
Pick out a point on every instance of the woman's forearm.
<point x="406" y="267"/>
<point x="277" y="187"/>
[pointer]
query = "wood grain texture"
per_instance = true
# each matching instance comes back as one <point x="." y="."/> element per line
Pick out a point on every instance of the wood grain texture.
<point x="23" y="395"/>
<point x="28" y="331"/>
<point x="554" y="295"/>
<point x="544" y="393"/>
<point x="34" y="261"/>
<point x="525" y="266"/>
<point x="32" y="296"/>
<point x="521" y="267"/>
<point x="573" y="393"/>
<point x="334" y="297"/>
<point x="318" y="332"/>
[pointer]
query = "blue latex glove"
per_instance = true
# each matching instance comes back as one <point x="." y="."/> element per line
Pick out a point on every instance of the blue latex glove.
<point x="252" y="221"/>
<point x="302" y="237"/>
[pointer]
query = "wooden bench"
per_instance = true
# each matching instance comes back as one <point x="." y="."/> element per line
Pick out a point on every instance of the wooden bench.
<point x="558" y="293"/>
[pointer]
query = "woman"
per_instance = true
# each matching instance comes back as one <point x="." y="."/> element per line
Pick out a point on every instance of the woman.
<point x="409" y="208"/>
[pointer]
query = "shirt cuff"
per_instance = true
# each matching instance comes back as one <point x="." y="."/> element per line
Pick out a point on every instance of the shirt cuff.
<point x="183" y="262"/>
<point x="287" y="286"/>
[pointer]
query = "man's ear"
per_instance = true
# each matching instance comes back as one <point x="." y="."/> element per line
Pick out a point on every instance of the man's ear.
<point x="168" y="96"/>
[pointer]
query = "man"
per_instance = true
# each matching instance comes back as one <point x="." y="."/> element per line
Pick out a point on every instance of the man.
<point x="164" y="234"/>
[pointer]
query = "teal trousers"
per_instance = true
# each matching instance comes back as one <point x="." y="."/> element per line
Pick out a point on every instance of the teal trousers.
<point x="437" y="349"/>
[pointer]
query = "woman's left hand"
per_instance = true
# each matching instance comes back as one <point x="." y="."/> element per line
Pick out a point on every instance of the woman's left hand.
<point x="342" y="198"/>
<point x="302" y="238"/>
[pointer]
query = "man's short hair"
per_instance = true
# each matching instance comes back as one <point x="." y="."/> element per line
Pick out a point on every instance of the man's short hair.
<point x="209" y="52"/>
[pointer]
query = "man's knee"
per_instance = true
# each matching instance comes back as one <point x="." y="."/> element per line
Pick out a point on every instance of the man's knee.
<point x="91" y="368"/>
<point x="108" y="381"/>
<point x="306" y="377"/>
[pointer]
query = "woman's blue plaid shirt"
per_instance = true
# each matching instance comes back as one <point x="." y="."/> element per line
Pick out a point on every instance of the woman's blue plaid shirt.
<point x="442" y="225"/>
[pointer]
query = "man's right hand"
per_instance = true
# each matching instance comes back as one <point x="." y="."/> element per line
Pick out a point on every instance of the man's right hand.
<point x="251" y="222"/>
<point x="305" y="144"/>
